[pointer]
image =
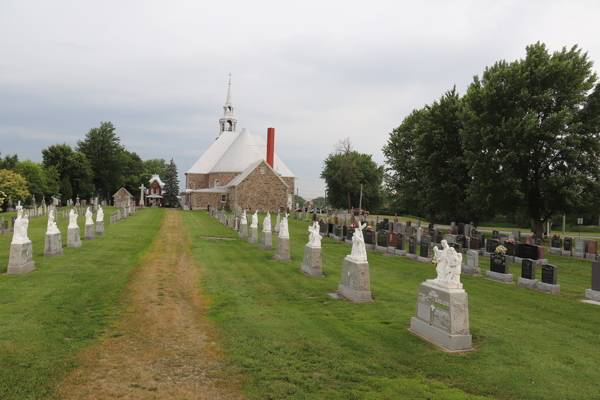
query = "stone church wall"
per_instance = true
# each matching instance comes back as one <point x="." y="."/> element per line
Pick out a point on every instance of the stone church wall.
<point x="223" y="177"/>
<point x="200" y="201"/>
<point x="197" y="181"/>
<point x="264" y="192"/>
<point x="122" y="198"/>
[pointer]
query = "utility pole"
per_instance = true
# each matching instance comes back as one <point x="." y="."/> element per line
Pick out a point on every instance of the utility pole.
<point x="564" y="218"/>
<point x="360" y="202"/>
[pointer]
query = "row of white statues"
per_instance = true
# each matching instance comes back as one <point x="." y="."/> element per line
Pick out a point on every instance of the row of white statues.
<point x="283" y="223"/>
<point x="21" y="225"/>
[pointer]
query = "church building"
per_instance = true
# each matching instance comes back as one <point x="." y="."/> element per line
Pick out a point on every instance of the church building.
<point x="240" y="169"/>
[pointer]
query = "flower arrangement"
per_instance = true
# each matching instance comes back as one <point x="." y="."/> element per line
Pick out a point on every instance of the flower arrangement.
<point x="501" y="250"/>
<point x="556" y="235"/>
<point x="510" y="241"/>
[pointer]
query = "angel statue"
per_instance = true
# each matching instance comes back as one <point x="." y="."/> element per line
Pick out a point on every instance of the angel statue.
<point x="254" y="220"/>
<point x="314" y="240"/>
<point x="72" y="219"/>
<point x="267" y="223"/>
<point x="100" y="214"/>
<point x="448" y="267"/>
<point x="244" y="218"/>
<point x="52" y="228"/>
<point x="283" y="228"/>
<point x="359" y="252"/>
<point x="88" y="217"/>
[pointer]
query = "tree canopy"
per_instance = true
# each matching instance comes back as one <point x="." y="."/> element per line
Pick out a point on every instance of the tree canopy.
<point x="344" y="171"/>
<point x="12" y="187"/>
<point x="171" y="184"/>
<point x="532" y="133"/>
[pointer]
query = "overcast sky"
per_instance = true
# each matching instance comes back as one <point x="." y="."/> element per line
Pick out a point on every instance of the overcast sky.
<point x="317" y="71"/>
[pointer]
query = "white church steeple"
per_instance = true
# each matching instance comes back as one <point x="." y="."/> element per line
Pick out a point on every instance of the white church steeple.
<point x="228" y="122"/>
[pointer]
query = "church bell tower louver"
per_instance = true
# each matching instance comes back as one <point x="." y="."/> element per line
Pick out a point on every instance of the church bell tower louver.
<point x="228" y="122"/>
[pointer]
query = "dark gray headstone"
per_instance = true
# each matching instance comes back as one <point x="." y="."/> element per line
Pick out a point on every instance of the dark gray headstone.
<point x="350" y="233"/>
<point x="330" y="228"/>
<point x="400" y="241"/>
<point x="382" y="238"/>
<point x="568" y="244"/>
<point x="368" y="236"/>
<point x="498" y="264"/>
<point x="344" y="231"/>
<point x="527" y="269"/>
<point x="528" y="251"/>
<point x="412" y="245"/>
<point x="491" y="245"/>
<point x="424" y="250"/>
<point x="596" y="276"/>
<point x="549" y="274"/>
<point x="457" y="246"/>
<point x="495" y="234"/>
<point x="438" y="236"/>
<point x="516" y="235"/>
<point x="555" y="242"/>
<point x="461" y="229"/>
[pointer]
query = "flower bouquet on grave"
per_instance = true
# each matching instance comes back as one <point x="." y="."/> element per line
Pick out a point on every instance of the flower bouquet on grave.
<point x="369" y="228"/>
<point x="510" y="241"/>
<point x="501" y="250"/>
<point x="556" y="235"/>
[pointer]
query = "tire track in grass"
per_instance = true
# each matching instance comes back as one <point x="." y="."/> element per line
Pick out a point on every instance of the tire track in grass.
<point x="163" y="346"/>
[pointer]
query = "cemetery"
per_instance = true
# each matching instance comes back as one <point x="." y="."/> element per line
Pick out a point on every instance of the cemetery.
<point x="374" y="283"/>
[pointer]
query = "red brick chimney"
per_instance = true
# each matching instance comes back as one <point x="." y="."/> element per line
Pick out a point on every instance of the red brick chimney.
<point x="271" y="147"/>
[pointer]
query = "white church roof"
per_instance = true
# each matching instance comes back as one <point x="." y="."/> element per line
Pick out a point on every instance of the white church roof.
<point x="234" y="152"/>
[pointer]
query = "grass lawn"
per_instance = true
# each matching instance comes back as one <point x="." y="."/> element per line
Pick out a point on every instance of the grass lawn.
<point x="49" y="314"/>
<point x="291" y="340"/>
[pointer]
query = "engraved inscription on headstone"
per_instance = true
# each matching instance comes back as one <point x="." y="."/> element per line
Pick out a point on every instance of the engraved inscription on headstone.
<point x="527" y="269"/>
<point x="549" y="274"/>
<point x="498" y="264"/>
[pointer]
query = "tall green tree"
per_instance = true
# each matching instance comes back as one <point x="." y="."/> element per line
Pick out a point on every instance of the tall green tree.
<point x="532" y="133"/>
<point x="171" y="188"/>
<point x="12" y="187"/>
<point x="103" y="149"/>
<point x="344" y="171"/>
<point x="41" y="181"/>
<point x="9" y="162"/>
<point x="156" y="166"/>
<point x="74" y="170"/>
<point x="426" y="156"/>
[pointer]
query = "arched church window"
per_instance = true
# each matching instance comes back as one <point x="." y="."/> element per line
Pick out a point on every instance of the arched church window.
<point x="229" y="109"/>
<point x="217" y="183"/>
<point x="228" y="126"/>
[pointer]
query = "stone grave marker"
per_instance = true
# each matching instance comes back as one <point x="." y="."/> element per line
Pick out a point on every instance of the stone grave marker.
<point x="516" y="235"/>
<point x="594" y="293"/>
<point x="580" y="248"/>
<point x="391" y="242"/>
<point x="474" y="243"/>
<point x="499" y="269"/>
<point x="368" y="237"/>
<point x="412" y="247"/>
<point x="424" y="248"/>
<point x="567" y="247"/>
<point x="528" y="251"/>
<point x="472" y="266"/>
<point x="591" y="253"/>
<point x="457" y="246"/>
<point x="400" y="245"/>
<point x="495" y="234"/>
<point x="491" y="245"/>
<point x="381" y="241"/>
<point x="461" y="228"/>
<point x="549" y="279"/>
<point x="555" y="242"/>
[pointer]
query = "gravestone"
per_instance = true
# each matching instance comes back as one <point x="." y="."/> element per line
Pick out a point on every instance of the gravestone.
<point x="516" y="235"/>
<point x="568" y="247"/>
<point x="438" y="236"/>
<point x="381" y="241"/>
<point x="424" y="248"/>
<point x="474" y="243"/>
<point x="349" y="234"/>
<point x="253" y="237"/>
<point x="472" y="266"/>
<point x="391" y="242"/>
<point x="344" y="231"/>
<point x="266" y="242"/>
<point x="461" y="229"/>
<point x="369" y="237"/>
<point x="412" y="248"/>
<point x="527" y="278"/>
<point x="53" y="245"/>
<point x="499" y="269"/>
<point x="591" y="253"/>
<point x="355" y="284"/>
<point x="580" y="248"/>
<point x="549" y="279"/>
<point x="338" y="232"/>
<point x="594" y="293"/>
<point x="282" y="248"/>
<point x="400" y="245"/>
<point x="528" y="251"/>
<point x="450" y="238"/>
<point x="457" y="247"/>
<point x="311" y="264"/>
<point x="491" y="244"/>
<point x="89" y="232"/>
<point x="555" y="242"/>
<point x="73" y="237"/>
<point x="495" y="234"/>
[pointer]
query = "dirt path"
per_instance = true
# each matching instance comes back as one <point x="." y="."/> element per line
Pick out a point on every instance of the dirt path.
<point x="162" y="347"/>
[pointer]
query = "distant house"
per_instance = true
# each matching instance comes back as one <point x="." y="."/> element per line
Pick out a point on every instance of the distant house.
<point x="123" y="198"/>
<point x="240" y="169"/>
<point x="155" y="195"/>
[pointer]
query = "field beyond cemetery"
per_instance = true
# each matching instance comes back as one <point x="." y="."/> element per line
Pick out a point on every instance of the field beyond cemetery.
<point x="165" y="288"/>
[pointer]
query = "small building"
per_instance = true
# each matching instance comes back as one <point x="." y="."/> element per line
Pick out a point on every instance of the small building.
<point x="123" y="198"/>
<point x="155" y="196"/>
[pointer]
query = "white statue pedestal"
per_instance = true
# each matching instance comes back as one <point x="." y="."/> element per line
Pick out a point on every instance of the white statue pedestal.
<point x="20" y="260"/>
<point x="312" y="261"/>
<point x="355" y="283"/>
<point x="73" y="237"/>
<point x="282" y="249"/>
<point x="99" y="228"/>
<point x="243" y="230"/>
<point x="254" y="237"/>
<point x="90" y="234"/>
<point x="267" y="242"/>
<point x="53" y="245"/>
<point x="442" y="317"/>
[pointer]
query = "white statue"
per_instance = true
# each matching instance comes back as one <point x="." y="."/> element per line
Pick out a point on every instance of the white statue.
<point x="244" y="219"/>
<point x="448" y="267"/>
<point x="314" y="240"/>
<point x="359" y="252"/>
<point x="72" y="219"/>
<point x="88" y="217"/>
<point x="100" y="214"/>
<point x="52" y="228"/>
<point x="254" y="220"/>
<point x="20" y="226"/>
<point x="283" y="227"/>
<point x="267" y="223"/>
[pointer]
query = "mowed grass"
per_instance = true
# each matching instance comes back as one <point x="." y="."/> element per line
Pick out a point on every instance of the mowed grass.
<point x="291" y="340"/>
<point x="49" y="314"/>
